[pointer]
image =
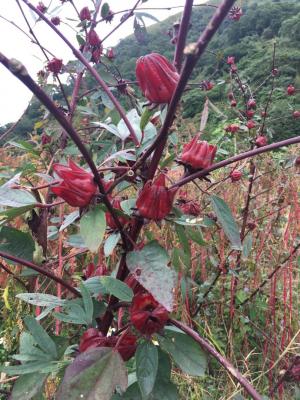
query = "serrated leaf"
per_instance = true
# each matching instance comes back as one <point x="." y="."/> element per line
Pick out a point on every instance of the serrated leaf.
<point x="92" y="228"/>
<point x="93" y="375"/>
<point x="146" y="357"/>
<point x="149" y="267"/>
<point x="186" y="353"/>
<point x="227" y="221"/>
<point x="41" y="336"/>
<point x="116" y="288"/>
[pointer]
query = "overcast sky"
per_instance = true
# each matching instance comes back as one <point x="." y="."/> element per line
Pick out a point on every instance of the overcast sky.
<point x="14" y="96"/>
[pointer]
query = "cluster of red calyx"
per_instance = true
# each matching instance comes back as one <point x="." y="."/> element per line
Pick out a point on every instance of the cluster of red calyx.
<point x="261" y="141"/>
<point x="235" y="176"/>
<point x="155" y="199"/>
<point x="187" y="206"/>
<point x="235" y="13"/>
<point x="251" y="103"/>
<point x="55" y="65"/>
<point x="207" y="85"/>
<point x="92" y="338"/>
<point x="116" y="203"/>
<point x="157" y="78"/>
<point x="41" y="7"/>
<point x="232" y="128"/>
<point x="55" y="21"/>
<point x="77" y="187"/>
<point x="93" y="270"/>
<point x="85" y="14"/>
<point x="291" y="90"/>
<point x="147" y="315"/>
<point x="198" y="154"/>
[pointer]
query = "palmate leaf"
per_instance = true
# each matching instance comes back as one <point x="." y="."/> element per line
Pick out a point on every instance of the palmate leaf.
<point x="94" y="375"/>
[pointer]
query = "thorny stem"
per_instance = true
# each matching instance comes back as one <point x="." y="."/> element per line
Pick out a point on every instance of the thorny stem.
<point x="40" y="270"/>
<point x="92" y="70"/>
<point x="18" y="70"/>
<point x="223" y="361"/>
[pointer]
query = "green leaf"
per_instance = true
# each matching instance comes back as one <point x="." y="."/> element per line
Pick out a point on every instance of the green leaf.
<point x="110" y="243"/>
<point x="28" y="386"/>
<point x="227" y="221"/>
<point x="145" y="118"/>
<point x="69" y="219"/>
<point x="94" y="375"/>
<point x="92" y="228"/>
<point x="116" y="288"/>
<point x="186" y="353"/>
<point x="16" y="197"/>
<point x="74" y="314"/>
<point x="28" y="368"/>
<point x="104" y="10"/>
<point x="16" y="243"/>
<point x="247" y="245"/>
<point x="41" y="336"/>
<point x="146" y="357"/>
<point x="195" y="234"/>
<point x="41" y="299"/>
<point x="149" y="267"/>
<point x="12" y="213"/>
<point x="87" y="303"/>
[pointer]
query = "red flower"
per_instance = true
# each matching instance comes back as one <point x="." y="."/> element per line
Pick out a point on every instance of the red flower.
<point x="157" y="78"/>
<point x="55" y="21"/>
<point x="77" y="187"/>
<point x="93" y="38"/>
<point x="296" y="114"/>
<point x="85" y="14"/>
<point x="41" y="7"/>
<point x="116" y="203"/>
<point x="235" y="176"/>
<point x="55" y="65"/>
<point x="147" y="315"/>
<point x="251" y="124"/>
<point x="92" y="339"/>
<point x="235" y="13"/>
<point x="230" y="60"/>
<point x="261" y="141"/>
<point x="155" y="200"/>
<point x="251" y="103"/>
<point x="232" y="128"/>
<point x="291" y="90"/>
<point x="198" y="155"/>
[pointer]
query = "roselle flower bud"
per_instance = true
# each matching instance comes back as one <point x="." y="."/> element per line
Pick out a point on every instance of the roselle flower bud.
<point x="92" y="339"/>
<point x="116" y="203"/>
<point x="261" y="141"/>
<point x="55" y="65"/>
<point x="55" y="21"/>
<point x="198" y="155"/>
<point x="291" y="90"/>
<point x="250" y="124"/>
<point x="77" y="187"/>
<point x="85" y="14"/>
<point x="251" y="103"/>
<point x="235" y="176"/>
<point x="230" y="60"/>
<point x="155" y="200"/>
<point x="235" y="13"/>
<point x="232" y="128"/>
<point x="147" y="315"/>
<point x="296" y="114"/>
<point x="157" y="78"/>
<point x="41" y="7"/>
<point x="93" y="38"/>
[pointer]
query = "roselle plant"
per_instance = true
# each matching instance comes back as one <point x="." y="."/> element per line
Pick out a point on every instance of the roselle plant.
<point x="114" y="227"/>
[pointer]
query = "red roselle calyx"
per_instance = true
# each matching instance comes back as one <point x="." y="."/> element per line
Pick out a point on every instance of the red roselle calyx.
<point x="41" y="7"/>
<point x="92" y="339"/>
<point x="250" y="124"/>
<point x="232" y="128"/>
<point x="251" y="103"/>
<point x="233" y="103"/>
<point x="85" y="14"/>
<point x="116" y="203"/>
<point x="155" y="199"/>
<point x="291" y="90"/>
<point x="198" y="155"/>
<point x="207" y="85"/>
<point x="189" y="207"/>
<point x="157" y="78"/>
<point x="250" y="114"/>
<point x="261" y="141"/>
<point x="55" y="65"/>
<point x="55" y="21"/>
<point x="147" y="315"/>
<point x="93" y="38"/>
<point x="230" y="60"/>
<point x="235" y="13"/>
<point x="92" y="270"/>
<point x="77" y="187"/>
<point x="110" y="54"/>
<point x="296" y="114"/>
<point x="235" y="176"/>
